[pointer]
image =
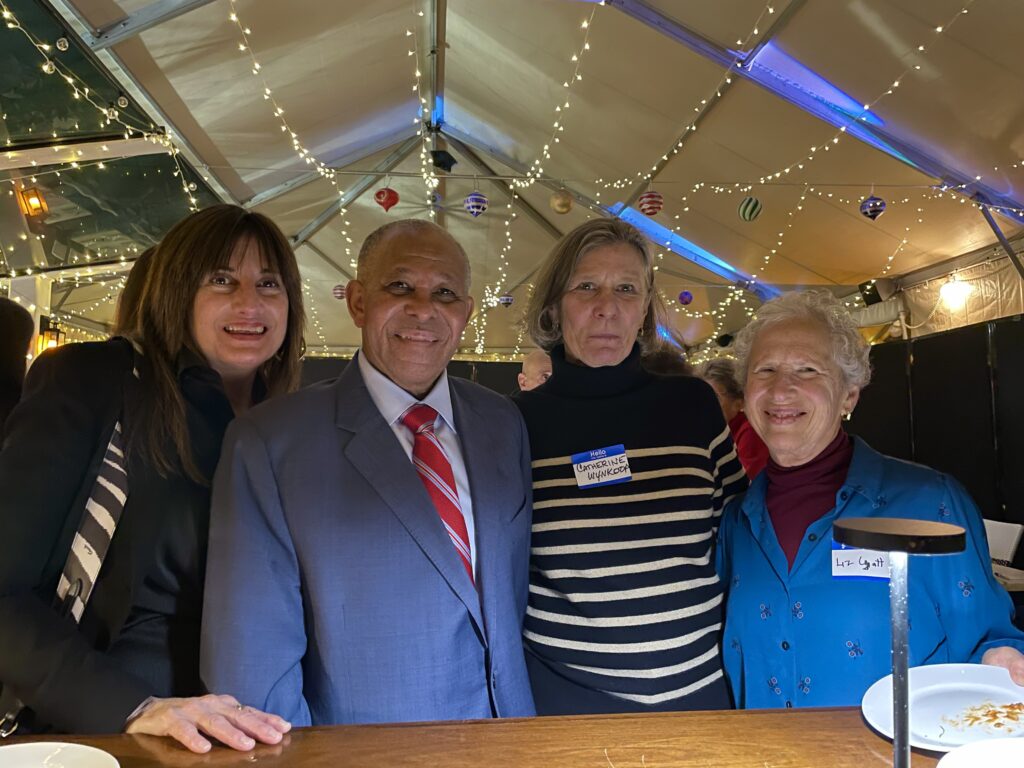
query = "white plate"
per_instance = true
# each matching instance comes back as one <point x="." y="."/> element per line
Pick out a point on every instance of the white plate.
<point x="55" y="754"/>
<point x="942" y="696"/>
<point x="998" y="753"/>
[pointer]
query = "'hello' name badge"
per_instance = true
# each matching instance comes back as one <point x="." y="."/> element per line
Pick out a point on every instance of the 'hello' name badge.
<point x="855" y="563"/>
<point x="602" y="466"/>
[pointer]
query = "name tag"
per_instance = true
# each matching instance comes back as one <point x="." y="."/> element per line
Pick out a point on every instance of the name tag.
<point x="602" y="466"/>
<point x="853" y="563"/>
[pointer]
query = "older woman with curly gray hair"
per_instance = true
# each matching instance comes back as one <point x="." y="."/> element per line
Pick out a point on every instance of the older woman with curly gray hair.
<point x="630" y="473"/>
<point x="799" y="632"/>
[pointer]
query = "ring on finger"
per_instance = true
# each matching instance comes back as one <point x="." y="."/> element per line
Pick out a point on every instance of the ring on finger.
<point x="239" y="707"/>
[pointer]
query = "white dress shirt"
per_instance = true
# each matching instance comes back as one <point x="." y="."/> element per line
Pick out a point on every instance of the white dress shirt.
<point x="392" y="401"/>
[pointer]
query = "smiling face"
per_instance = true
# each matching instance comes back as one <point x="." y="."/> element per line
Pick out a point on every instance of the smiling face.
<point x="240" y="314"/>
<point x="412" y="305"/>
<point x="795" y="392"/>
<point x="604" y="305"/>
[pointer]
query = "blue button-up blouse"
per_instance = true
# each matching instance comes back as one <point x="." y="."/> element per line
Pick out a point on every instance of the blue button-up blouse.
<point x="803" y="638"/>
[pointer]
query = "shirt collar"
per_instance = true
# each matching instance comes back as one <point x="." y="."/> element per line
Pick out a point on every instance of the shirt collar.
<point x="863" y="477"/>
<point x="392" y="401"/>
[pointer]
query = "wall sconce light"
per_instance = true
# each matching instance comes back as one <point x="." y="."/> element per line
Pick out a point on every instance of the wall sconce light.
<point x="32" y="202"/>
<point x="50" y="336"/>
<point x="954" y="293"/>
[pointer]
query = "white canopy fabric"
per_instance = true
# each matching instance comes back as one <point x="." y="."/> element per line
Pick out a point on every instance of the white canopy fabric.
<point x="343" y="75"/>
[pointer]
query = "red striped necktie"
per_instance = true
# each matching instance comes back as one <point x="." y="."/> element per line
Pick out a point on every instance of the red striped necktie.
<point x="435" y="471"/>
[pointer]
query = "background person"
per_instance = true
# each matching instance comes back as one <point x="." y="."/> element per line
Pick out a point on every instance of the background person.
<point x="720" y="373"/>
<point x="16" y="329"/>
<point x="797" y="636"/>
<point x="369" y="539"/>
<point x="126" y="318"/>
<point x="625" y="607"/>
<point x="220" y="328"/>
<point x="536" y="370"/>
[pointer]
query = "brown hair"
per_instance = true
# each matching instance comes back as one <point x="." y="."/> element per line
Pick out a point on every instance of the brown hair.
<point x="722" y="371"/>
<point x="541" y="320"/>
<point x="127" y="316"/>
<point x="193" y="248"/>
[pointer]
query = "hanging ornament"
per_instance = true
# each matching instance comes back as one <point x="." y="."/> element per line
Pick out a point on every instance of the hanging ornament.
<point x="122" y="101"/>
<point x="561" y="201"/>
<point x="506" y="299"/>
<point x="62" y="44"/>
<point x="435" y="200"/>
<point x="49" y="67"/>
<point x="685" y="298"/>
<point x="651" y="202"/>
<point x="192" y="186"/>
<point x="476" y="202"/>
<point x="750" y="208"/>
<point x="872" y="207"/>
<point x="386" y="198"/>
<point x="338" y="291"/>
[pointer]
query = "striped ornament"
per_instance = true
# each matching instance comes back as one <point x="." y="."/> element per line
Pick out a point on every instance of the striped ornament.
<point x="650" y="203"/>
<point x="338" y="291"/>
<point x="476" y="202"/>
<point x="750" y="208"/>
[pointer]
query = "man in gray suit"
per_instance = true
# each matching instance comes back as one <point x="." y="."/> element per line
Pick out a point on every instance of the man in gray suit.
<point x="369" y="536"/>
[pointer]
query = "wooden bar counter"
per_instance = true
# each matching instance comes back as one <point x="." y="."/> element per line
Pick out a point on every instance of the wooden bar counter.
<point x="810" y="738"/>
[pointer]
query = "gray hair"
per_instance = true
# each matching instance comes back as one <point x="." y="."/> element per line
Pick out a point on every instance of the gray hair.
<point x="376" y="239"/>
<point x="722" y="371"/>
<point x="849" y="349"/>
<point x="553" y="282"/>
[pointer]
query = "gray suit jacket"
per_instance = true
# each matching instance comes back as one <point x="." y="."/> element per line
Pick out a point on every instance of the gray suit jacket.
<point x="333" y="593"/>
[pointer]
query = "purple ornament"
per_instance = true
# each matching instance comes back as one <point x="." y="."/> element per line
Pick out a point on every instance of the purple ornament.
<point x="685" y="298"/>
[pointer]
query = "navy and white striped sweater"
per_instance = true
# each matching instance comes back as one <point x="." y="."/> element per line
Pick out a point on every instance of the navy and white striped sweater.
<point x="624" y="598"/>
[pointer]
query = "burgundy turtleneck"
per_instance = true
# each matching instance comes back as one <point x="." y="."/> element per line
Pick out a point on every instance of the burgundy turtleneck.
<point x="797" y="496"/>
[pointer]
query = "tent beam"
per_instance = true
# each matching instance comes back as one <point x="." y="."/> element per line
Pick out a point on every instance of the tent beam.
<point x="876" y="137"/>
<point x="1012" y="254"/>
<point x="438" y="45"/>
<point x="703" y="259"/>
<point x="401" y="152"/>
<point x="344" y="272"/>
<point x="112" y="64"/>
<point x="378" y="144"/>
<point x="147" y="17"/>
<point x="532" y="213"/>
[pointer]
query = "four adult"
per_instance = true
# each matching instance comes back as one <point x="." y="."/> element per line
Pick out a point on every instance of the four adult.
<point x="138" y="424"/>
<point x="630" y="473"/>
<point x="797" y="634"/>
<point x="369" y="540"/>
<point x="404" y="583"/>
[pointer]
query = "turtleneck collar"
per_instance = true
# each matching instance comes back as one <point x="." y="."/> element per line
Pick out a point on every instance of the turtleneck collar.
<point x="581" y="381"/>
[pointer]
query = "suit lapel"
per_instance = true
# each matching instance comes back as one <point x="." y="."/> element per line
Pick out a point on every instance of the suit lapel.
<point x="486" y="484"/>
<point x="376" y="454"/>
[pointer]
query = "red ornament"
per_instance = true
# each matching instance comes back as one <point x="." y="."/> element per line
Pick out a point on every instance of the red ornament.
<point x="338" y="291"/>
<point x="386" y="198"/>
<point x="651" y="202"/>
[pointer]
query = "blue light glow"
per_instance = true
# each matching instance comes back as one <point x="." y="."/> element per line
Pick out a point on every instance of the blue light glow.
<point x="776" y="61"/>
<point x="678" y="244"/>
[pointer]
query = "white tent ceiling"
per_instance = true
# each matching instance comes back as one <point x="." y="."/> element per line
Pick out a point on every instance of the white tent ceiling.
<point x="342" y="73"/>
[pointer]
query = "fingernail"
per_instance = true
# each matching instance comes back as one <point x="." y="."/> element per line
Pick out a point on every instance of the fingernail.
<point x="248" y="743"/>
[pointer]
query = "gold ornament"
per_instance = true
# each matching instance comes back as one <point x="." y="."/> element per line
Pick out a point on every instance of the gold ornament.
<point x="561" y="201"/>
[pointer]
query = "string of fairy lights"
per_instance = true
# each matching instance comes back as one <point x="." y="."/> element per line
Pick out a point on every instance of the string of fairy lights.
<point x="109" y="114"/>
<point x="699" y="109"/>
<point x="493" y="293"/>
<point x="536" y="170"/>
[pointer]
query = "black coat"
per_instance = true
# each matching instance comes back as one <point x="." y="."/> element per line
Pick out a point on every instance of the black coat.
<point x="139" y="634"/>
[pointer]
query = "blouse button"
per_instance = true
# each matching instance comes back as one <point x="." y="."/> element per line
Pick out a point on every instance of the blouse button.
<point x="789" y="705"/>
<point x="785" y="645"/>
<point x="812" y="537"/>
<point x="844" y="495"/>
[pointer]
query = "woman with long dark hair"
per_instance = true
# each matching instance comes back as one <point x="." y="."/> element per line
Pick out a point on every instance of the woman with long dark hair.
<point x="106" y="639"/>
